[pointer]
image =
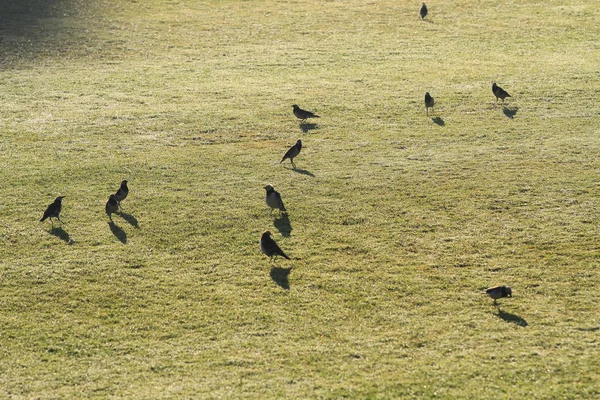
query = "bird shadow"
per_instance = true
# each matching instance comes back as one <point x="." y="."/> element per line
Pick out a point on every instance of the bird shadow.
<point x="118" y="232"/>
<point x="508" y="317"/>
<point x="131" y="220"/>
<point x="283" y="225"/>
<point x="305" y="127"/>
<point x="303" y="172"/>
<point x="60" y="233"/>
<point x="280" y="276"/>
<point x="438" y="121"/>
<point x="510" y="112"/>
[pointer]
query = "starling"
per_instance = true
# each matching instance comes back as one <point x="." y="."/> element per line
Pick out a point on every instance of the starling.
<point x="273" y="199"/>
<point x="423" y="11"/>
<point x="122" y="192"/>
<point x="112" y="205"/>
<point x="428" y="102"/>
<point x="269" y="247"/>
<point x="499" y="92"/>
<point x="292" y="152"/>
<point x="303" y="114"/>
<point x="53" y="210"/>
<point x="498" y="292"/>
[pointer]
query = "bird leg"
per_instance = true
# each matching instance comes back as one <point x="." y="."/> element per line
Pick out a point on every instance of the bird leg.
<point x="293" y="165"/>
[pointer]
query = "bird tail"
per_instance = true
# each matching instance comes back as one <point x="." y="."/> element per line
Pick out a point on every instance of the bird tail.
<point x="316" y="116"/>
<point x="284" y="256"/>
<point x="43" y="218"/>
<point x="282" y="160"/>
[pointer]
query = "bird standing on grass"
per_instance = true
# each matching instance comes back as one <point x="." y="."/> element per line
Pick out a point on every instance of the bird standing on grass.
<point x="273" y="199"/>
<point x="269" y="247"/>
<point x="499" y="92"/>
<point x="53" y="210"/>
<point x="112" y="206"/>
<point x="429" y="102"/>
<point x="497" y="292"/>
<point x="292" y="152"/>
<point x="423" y="11"/>
<point x="122" y="193"/>
<point x="303" y="114"/>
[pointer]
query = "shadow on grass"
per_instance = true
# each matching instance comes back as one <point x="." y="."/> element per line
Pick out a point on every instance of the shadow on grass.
<point x="131" y="220"/>
<point x="280" y="276"/>
<point x="594" y="329"/>
<point x="508" y="317"/>
<point x="283" y="225"/>
<point x="438" y="121"/>
<point x="303" y="172"/>
<point x="60" y="233"/>
<point x="305" y="127"/>
<point x="118" y="232"/>
<point x="510" y="112"/>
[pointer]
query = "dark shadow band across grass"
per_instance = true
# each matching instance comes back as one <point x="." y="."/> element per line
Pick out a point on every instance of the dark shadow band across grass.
<point x="32" y="28"/>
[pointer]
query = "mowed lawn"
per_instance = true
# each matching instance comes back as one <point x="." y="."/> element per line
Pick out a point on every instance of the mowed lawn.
<point x="398" y="221"/>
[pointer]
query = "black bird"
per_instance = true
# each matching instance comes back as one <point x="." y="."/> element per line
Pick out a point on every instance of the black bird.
<point x="429" y="102"/>
<point x="122" y="192"/>
<point x="423" y="11"/>
<point x="112" y="206"/>
<point x="273" y="199"/>
<point x="292" y="152"/>
<point x="303" y="114"/>
<point x="53" y="210"/>
<point x="497" y="292"/>
<point x="499" y="92"/>
<point x="269" y="247"/>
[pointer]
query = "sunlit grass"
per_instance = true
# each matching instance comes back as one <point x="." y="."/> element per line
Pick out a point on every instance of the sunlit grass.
<point x="398" y="221"/>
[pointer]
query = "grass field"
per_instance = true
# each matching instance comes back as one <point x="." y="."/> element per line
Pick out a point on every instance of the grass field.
<point x="398" y="221"/>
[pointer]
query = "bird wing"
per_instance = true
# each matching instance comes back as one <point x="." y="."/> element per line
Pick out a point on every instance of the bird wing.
<point x="279" y="201"/>
<point x="291" y="153"/>
<point x="46" y="214"/>
<point x="274" y="248"/>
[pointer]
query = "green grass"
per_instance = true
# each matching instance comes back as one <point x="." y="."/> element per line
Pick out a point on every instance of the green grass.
<point x="398" y="222"/>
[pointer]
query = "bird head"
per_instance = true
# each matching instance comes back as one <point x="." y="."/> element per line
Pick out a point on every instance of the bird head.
<point x="508" y="291"/>
<point x="299" y="142"/>
<point x="295" y="106"/>
<point x="59" y="199"/>
<point x="266" y="234"/>
<point x="269" y="188"/>
<point x="124" y="182"/>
